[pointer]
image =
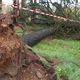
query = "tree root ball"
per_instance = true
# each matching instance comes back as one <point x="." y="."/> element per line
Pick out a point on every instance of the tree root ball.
<point x="17" y="61"/>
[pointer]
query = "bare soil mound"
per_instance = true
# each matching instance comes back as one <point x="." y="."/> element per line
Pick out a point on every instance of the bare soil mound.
<point x="18" y="62"/>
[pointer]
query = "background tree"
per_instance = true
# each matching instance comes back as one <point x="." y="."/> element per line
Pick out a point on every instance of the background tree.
<point x="0" y="6"/>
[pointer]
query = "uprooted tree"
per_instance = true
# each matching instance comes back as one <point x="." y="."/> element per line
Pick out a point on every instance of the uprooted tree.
<point x="17" y="61"/>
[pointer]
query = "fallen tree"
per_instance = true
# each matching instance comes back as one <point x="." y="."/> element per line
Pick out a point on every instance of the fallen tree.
<point x="65" y="28"/>
<point x="33" y="38"/>
<point x="72" y="24"/>
<point x="17" y="61"/>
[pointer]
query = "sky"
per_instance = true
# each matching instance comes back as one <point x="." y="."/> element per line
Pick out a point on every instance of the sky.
<point x="7" y="1"/>
<point x="10" y="1"/>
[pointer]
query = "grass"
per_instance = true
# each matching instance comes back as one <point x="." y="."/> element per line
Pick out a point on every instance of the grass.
<point x="18" y="31"/>
<point x="68" y="51"/>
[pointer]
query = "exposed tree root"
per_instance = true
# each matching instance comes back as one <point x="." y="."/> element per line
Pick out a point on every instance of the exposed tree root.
<point x="17" y="62"/>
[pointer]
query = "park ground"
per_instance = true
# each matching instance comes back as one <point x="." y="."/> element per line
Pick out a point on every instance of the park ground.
<point x="61" y="53"/>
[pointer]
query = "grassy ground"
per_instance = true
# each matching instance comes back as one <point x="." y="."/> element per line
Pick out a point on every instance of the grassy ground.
<point x="65" y="50"/>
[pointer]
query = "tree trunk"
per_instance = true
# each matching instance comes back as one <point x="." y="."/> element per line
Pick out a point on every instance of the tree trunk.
<point x="23" y="3"/>
<point x="35" y="37"/>
<point x="0" y="6"/>
<point x="4" y="8"/>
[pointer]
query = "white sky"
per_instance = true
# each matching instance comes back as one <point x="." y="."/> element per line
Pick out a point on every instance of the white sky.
<point x="10" y="1"/>
<point x="7" y="1"/>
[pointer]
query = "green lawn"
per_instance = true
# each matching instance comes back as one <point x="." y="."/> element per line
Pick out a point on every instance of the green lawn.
<point x="19" y="31"/>
<point x="66" y="50"/>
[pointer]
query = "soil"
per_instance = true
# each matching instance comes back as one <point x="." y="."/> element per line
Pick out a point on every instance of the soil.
<point x="17" y="61"/>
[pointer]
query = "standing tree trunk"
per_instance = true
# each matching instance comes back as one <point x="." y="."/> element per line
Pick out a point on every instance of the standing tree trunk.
<point x="0" y="6"/>
<point x="23" y="2"/>
<point x="15" y="11"/>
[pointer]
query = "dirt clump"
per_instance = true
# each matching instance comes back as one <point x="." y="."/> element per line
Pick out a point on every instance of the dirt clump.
<point x="18" y="62"/>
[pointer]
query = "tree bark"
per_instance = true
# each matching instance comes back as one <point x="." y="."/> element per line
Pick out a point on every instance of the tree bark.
<point x="0" y="6"/>
<point x="35" y="37"/>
